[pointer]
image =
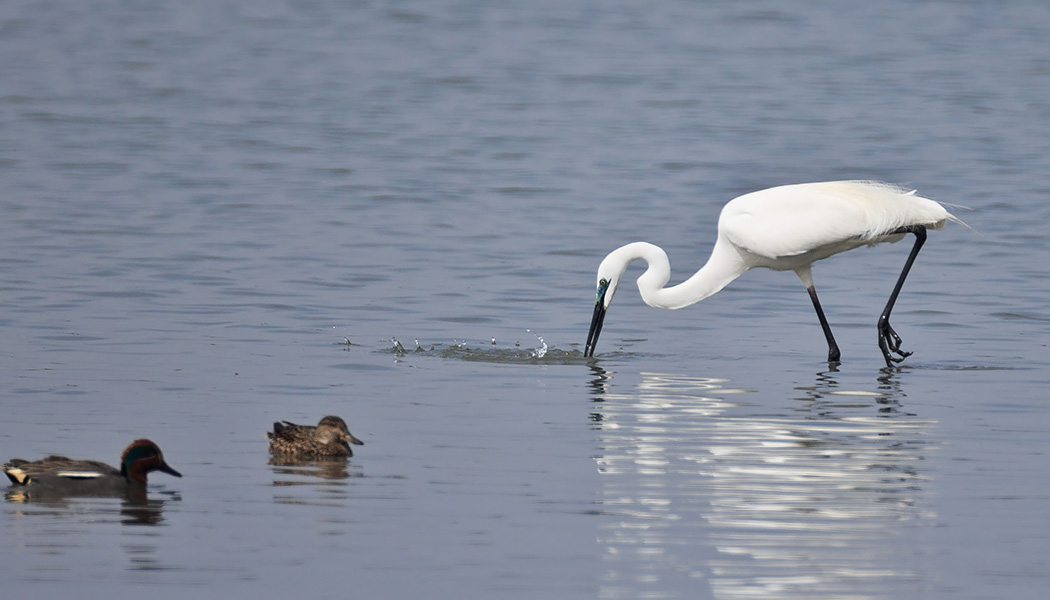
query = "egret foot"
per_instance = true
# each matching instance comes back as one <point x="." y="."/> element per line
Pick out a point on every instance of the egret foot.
<point x="834" y="355"/>
<point x="890" y="343"/>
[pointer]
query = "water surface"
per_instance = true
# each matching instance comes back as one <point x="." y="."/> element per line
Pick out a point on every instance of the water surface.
<point x="214" y="218"/>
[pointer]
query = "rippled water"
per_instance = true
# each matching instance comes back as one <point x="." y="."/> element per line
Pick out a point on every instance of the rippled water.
<point x="217" y="216"/>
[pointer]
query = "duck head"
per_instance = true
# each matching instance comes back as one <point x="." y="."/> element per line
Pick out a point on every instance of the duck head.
<point x="141" y="457"/>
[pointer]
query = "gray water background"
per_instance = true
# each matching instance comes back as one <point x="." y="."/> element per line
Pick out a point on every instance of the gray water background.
<point x="202" y="202"/>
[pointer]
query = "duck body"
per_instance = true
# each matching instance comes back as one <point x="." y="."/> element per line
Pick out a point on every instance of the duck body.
<point x="330" y="438"/>
<point x="77" y="477"/>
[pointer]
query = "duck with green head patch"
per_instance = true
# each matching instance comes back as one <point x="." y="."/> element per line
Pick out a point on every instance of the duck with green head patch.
<point x="72" y="477"/>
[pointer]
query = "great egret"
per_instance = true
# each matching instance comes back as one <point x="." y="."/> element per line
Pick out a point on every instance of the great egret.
<point x="784" y="228"/>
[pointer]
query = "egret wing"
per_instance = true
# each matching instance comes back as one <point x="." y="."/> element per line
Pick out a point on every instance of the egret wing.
<point x="792" y="220"/>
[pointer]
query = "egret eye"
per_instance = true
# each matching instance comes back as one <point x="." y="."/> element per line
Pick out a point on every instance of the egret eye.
<point x="603" y="282"/>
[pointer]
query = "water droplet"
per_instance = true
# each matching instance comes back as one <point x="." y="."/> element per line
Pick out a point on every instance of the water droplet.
<point x="542" y="350"/>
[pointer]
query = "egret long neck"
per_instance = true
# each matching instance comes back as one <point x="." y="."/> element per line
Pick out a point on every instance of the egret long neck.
<point x="724" y="265"/>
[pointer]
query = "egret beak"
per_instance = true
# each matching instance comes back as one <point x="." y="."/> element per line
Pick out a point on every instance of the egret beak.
<point x="597" y="319"/>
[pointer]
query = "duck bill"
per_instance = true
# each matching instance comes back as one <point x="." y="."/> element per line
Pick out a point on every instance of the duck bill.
<point x="350" y="438"/>
<point x="165" y="468"/>
<point x="596" y="324"/>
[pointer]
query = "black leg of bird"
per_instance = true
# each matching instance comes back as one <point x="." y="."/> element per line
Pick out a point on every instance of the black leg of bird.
<point x="889" y="341"/>
<point x="833" y="348"/>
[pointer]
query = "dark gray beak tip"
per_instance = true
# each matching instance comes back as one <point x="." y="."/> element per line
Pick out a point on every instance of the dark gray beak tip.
<point x="164" y="467"/>
<point x="596" y="328"/>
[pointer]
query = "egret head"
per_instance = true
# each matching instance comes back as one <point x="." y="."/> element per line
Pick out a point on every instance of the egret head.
<point x="609" y="274"/>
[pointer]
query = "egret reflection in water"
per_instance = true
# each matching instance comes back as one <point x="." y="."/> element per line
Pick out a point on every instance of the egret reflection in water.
<point x="816" y="500"/>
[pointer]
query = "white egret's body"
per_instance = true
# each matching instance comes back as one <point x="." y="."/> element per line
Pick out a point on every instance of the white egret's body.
<point x="782" y="228"/>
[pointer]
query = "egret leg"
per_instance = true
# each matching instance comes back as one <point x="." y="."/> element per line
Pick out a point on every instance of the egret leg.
<point x="833" y="348"/>
<point x="889" y="341"/>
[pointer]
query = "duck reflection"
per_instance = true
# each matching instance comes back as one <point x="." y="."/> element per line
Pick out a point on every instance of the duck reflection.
<point x="67" y="519"/>
<point x="704" y="491"/>
<point x="299" y="468"/>
<point x="136" y="507"/>
<point x="319" y="481"/>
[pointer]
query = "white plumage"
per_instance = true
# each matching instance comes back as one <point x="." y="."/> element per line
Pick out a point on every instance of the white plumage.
<point x="783" y="228"/>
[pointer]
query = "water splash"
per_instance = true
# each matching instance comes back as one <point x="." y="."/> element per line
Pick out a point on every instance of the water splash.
<point x="485" y="350"/>
<point x="489" y="350"/>
<point x="542" y="350"/>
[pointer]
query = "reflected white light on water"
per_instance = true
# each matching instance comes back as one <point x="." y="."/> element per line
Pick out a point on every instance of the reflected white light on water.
<point x="811" y="503"/>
